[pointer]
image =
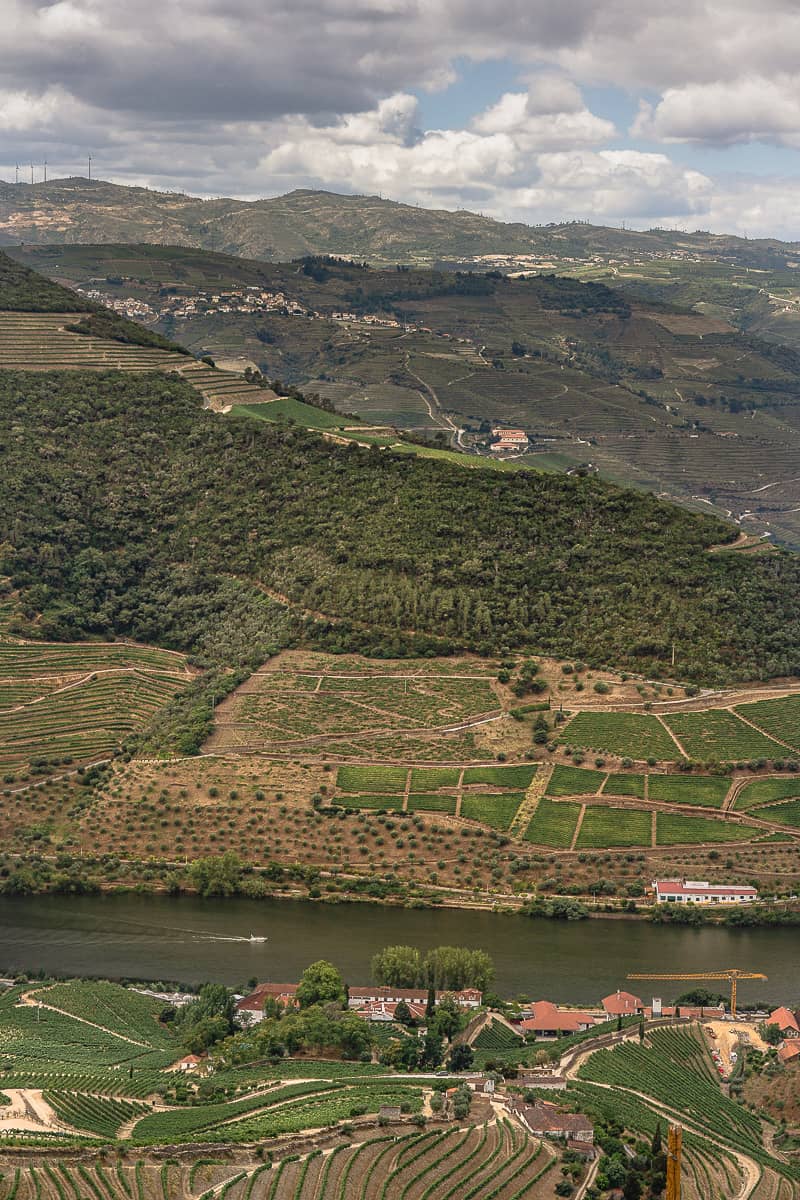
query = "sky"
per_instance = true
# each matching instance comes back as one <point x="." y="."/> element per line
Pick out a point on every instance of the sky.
<point x="683" y="114"/>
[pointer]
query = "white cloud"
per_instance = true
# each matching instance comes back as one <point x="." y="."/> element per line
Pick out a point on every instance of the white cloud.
<point x="726" y="112"/>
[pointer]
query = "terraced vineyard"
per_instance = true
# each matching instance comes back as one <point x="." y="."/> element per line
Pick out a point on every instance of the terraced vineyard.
<point x="779" y="718"/>
<point x="277" y="709"/>
<point x="474" y="1162"/>
<point x="674" y="1070"/>
<point x="637" y="735"/>
<point x="76" y="703"/>
<point x="396" y="788"/>
<point x="721" y="736"/>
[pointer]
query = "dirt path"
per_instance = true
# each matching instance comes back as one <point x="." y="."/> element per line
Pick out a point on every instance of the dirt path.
<point x="526" y="810"/>
<point x="578" y="824"/>
<point x="29" y="1111"/>
<point x="671" y="734"/>
<point x="439" y="415"/>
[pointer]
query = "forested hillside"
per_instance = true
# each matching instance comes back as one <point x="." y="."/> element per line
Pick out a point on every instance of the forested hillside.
<point x="131" y="511"/>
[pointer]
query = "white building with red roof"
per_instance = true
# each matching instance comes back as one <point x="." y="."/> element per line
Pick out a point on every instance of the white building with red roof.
<point x="693" y="891"/>
<point x="622" y="1004"/>
<point x="786" y="1022"/>
<point x="548" y="1020"/>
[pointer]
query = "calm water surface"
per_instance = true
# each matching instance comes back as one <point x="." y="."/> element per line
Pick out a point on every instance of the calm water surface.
<point x="191" y="940"/>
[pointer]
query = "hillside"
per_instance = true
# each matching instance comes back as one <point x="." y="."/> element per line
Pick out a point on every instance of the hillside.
<point x="647" y="393"/>
<point x="77" y="210"/>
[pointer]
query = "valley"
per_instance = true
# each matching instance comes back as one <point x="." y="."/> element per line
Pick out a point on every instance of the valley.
<point x="677" y="401"/>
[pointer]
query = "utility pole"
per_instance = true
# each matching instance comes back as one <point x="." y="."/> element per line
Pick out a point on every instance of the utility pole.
<point x="16" y="173"/>
<point x="90" y="168"/>
<point x="45" y="170"/>
<point x="31" y="174"/>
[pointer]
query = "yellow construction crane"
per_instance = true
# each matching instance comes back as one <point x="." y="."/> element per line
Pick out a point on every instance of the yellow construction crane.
<point x="674" y="1150"/>
<point x="733" y="976"/>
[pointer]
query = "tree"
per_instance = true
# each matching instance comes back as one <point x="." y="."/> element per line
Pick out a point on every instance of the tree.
<point x="432" y="1051"/>
<point x="455" y="967"/>
<point x="397" y="966"/>
<point x="655" y="1145"/>
<point x="632" y="1188"/>
<point x="447" y="1018"/>
<point x="403" y="1014"/>
<point x="430" y="1006"/>
<point x="319" y="984"/>
<point x="461" y="1057"/>
<point x="217" y="875"/>
<point x="771" y="1034"/>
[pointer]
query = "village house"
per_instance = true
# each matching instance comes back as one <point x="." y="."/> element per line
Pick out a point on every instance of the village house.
<point x="251" y="1007"/>
<point x="386" y="1011"/>
<point x="548" y="1020"/>
<point x="622" y="1004"/>
<point x="693" y="891"/>
<point x="786" y="1022"/>
<point x="545" y="1120"/>
<point x="789" y="1052"/>
<point x="509" y="440"/>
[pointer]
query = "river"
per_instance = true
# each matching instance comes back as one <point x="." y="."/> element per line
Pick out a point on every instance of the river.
<point x="191" y="940"/>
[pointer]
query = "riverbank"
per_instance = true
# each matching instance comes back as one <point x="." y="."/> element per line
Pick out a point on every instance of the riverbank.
<point x="190" y="939"/>
<point x="225" y="878"/>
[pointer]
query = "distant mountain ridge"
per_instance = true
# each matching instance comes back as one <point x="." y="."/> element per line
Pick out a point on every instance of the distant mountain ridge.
<point x="77" y="210"/>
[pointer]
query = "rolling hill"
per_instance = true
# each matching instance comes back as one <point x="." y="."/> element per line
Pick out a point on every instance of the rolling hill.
<point x="646" y="393"/>
<point x="78" y="210"/>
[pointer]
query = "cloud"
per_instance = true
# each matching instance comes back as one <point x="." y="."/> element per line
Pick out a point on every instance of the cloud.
<point x="723" y="113"/>
<point x="238" y="97"/>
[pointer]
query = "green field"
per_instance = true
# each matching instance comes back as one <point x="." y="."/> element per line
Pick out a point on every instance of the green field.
<point x="625" y="785"/>
<point x="778" y="718"/>
<point x="782" y="814"/>
<point x="496" y="811"/>
<point x="706" y="790"/>
<point x="674" y="829"/>
<point x="430" y="779"/>
<point x="553" y="824"/>
<point x="717" y="735"/>
<point x="511" y="777"/>
<point x="763" y="791"/>
<point x="574" y="781"/>
<point x="614" y="827"/>
<point x="372" y="779"/>
<point x="422" y="803"/>
<point x="288" y="409"/>
<point x="635" y="735"/>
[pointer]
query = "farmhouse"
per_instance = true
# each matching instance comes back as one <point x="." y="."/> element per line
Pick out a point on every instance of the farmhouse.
<point x="691" y="891"/>
<point x="789" y="1052"/>
<point x="622" y="1004"/>
<point x="547" y="1020"/>
<point x="252" y="1007"/>
<point x="509" y="439"/>
<point x="786" y="1022"/>
<point x="545" y="1120"/>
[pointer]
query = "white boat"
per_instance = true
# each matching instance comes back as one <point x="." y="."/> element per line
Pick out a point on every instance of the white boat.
<point x="253" y="938"/>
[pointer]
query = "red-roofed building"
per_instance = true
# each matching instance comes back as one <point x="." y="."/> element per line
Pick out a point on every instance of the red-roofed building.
<point x="789" y="1052"/>
<point x="694" y="891"/>
<point x="548" y="1020"/>
<point x="786" y="1022"/>
<point x="622" y="1004"/>
<point x="545" y="1120"/>
<point x="252" y="1006"/>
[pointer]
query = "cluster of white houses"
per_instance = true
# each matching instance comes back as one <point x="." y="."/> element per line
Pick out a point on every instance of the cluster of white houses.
<point x="375" y="1003"/>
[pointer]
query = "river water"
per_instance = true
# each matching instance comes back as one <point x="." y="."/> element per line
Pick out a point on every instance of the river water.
<point x="191" y="940"/>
